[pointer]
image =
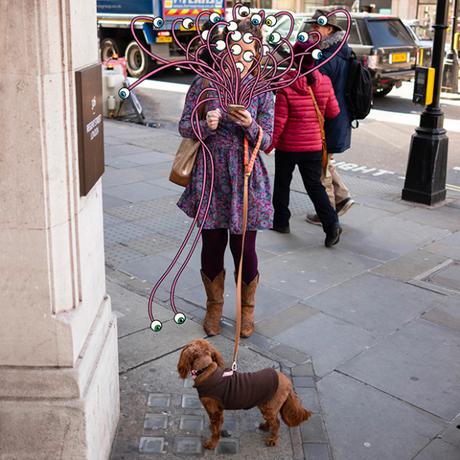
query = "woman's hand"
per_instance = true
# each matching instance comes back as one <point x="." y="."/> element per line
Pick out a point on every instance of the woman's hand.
<point x="212" y="119"/>
<point x="241" y="117"/>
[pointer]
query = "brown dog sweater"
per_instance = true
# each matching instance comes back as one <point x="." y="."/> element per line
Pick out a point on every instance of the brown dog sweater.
<point x="241" y="390"/>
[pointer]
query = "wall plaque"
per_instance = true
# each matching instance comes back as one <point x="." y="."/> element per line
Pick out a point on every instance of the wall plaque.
<point x="90" y="126"/>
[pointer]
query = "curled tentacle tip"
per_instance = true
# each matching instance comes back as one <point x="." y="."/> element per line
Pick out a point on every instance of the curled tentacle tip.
<point x="179" y="318"/>
<point x="124" y="93"/>
<point x="317" y="54"/>
<point x="156" y="325"/>
<point x="187" y="23"/>
<point x="322" y="20"/>
<point x="232" y="26"/>
<point x="158" y="22"/>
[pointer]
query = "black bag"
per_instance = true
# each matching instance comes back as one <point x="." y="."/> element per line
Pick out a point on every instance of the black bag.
<point x="358" y="90"/>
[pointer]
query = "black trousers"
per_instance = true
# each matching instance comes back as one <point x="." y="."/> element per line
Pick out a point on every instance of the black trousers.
<point x="309" y="164"/>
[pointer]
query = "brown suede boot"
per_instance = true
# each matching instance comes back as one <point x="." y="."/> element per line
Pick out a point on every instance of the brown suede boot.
<point x="215" y="302"/>
<point x="248" y="295"/>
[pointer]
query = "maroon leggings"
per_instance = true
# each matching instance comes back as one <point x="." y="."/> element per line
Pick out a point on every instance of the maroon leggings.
<point x="213" y="250"/>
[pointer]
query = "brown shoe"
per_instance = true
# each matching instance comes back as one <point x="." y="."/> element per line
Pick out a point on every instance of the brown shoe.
<point x="215" y="302"/>
<point x="248" y="296"/>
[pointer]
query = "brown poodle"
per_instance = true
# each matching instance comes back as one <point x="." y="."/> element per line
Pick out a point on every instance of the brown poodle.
<point x="219" y="389"/>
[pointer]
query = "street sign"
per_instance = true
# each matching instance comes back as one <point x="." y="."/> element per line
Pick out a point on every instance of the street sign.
<point x="89" y="126"/>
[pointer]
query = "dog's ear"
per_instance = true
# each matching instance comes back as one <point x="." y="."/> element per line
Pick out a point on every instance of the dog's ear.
<point x="217" y="357"/>
<point x="184" y="366"/>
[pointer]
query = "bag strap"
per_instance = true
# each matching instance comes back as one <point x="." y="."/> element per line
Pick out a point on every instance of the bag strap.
<point x="321" y="127"/>
<point x="201" y="109"/>
<point x="248" y="166"/>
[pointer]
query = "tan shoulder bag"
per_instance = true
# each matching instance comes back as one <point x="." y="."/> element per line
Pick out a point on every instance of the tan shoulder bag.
<point x="181" y="171"/>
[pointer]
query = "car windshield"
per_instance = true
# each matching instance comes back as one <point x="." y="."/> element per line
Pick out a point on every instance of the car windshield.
<point x="283" y="28"/>
<point x="389" y="32"/>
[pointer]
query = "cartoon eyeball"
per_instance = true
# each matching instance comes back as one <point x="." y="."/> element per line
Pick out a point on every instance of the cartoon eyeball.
<point x="158" y="22"/>
<point x="270" y="21"/>
<point x="187" y="23"/>
<point x="244" y="11"/>
<point x="220" y="45"/>
<point x="156" y="326"/>
<point x="179" y="318"/>
<point x="124" y="93"/>
<point x="236" y="50"/>
<point x="236" y="36"/>
<point x="256" y="19"/>
<point x="322" y="20"/>
<point x="302" y="37"/>
<point x="248" y="56"/>
<point x="215" y="17"/>
<point x="240" y="67"/>
<point x="205" y="34"/>
<point x="317" y="54"/>
<point x="248" y="37"/>
<point x="274" y="38"/>
<point x="232" y="26"/>
<point x="265" y="50"/>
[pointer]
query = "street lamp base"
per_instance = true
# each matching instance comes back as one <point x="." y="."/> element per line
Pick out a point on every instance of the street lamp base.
<point x="426" y="170"/>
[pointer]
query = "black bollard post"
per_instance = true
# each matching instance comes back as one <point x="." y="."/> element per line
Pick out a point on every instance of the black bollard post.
<point x="427" y="166"/>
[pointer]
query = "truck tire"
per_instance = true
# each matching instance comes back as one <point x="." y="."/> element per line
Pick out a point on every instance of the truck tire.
<point x="138" y="63"/>
<point x="109" y="47"/>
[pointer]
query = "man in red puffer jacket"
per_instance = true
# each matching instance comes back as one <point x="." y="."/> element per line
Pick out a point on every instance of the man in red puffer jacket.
<point x="297" y="140"/>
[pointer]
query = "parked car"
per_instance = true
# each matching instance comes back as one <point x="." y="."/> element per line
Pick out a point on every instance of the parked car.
<point x="425" y="47"/>
<point x="381" y="42"/>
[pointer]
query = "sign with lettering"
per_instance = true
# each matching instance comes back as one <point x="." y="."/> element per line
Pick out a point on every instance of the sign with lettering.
<point x="90" y="126"/>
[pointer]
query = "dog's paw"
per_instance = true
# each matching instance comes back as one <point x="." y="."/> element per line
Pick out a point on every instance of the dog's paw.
<point x="264" y="426"/>
<point x="210" y="444"/>
<point x="271" y="442"/>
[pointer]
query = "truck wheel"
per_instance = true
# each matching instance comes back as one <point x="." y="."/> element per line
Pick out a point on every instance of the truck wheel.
<point x="137" y="62"/>
<point x="109" y="47"/>
<point x="381" y="92"/>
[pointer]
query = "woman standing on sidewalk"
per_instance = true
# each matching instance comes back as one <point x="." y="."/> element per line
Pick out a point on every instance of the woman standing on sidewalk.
<point x="224" y="135"/>
<point x="298" y="141"/>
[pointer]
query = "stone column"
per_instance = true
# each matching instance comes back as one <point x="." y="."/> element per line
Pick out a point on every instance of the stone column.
<point x="59" y="394"/>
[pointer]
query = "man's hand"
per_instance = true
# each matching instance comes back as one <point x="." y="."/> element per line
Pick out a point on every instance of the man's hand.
<point x="212" y="119"/>
<point x="241" y="117"/>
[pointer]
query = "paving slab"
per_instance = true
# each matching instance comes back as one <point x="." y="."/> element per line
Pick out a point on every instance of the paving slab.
<point x="441" y="217"/>
<point x="439" y="449"/>
<point x="140" y="191"/>
<point x="410" y="265"/>
<point x="328" y="340"/>
<point x="308" y="271"/>
<point x="419" y="364"/>
<point x="124" y="150"/>
<point x="447" y="277"/>
<point x="451" y="434"/>
<point x="446" y="313"/>
<point x="447" y="247"/>
<point x="151" y="269"/>
<point x="109" y="202"/>
<point x="123" y="176"/>
<point x="389" y="237"/>
<point x="374" y="303"/>
<point x="146" y="157"/>
<point x="364" y="423"/>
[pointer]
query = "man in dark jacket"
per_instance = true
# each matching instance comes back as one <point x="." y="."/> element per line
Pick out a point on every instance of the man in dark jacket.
<point x="338" y="130"/>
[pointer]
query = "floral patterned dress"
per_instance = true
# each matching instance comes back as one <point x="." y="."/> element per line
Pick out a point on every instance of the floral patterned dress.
<point x="226" y="145"/>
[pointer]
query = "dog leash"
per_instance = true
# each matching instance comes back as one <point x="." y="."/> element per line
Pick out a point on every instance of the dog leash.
<point x="248" y="167"/>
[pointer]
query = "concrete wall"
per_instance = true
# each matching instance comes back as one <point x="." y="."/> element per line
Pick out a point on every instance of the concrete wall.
<point x="52" y="278"/>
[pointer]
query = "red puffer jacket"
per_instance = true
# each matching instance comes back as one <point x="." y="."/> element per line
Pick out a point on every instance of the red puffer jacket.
<point x="296" y="127"/>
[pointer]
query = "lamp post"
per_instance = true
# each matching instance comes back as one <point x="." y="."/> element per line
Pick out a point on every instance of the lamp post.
<point x="426" y="169"/>
<point x="450" y="79"/>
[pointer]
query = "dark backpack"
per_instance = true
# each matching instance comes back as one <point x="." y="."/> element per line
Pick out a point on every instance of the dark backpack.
<point x="358" y="90"/>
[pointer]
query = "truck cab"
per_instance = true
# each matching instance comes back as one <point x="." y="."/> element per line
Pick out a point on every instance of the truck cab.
<point x="115" y="37"/>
